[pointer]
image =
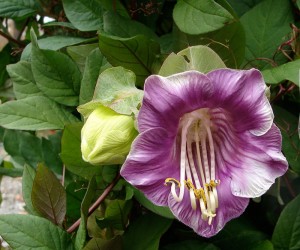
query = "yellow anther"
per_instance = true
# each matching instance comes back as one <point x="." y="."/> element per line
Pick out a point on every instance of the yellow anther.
<point x="172" y="180"/>
<point x="212" y="183"/>
<point x="189" y="184"/>
<point x="200" y="194"/>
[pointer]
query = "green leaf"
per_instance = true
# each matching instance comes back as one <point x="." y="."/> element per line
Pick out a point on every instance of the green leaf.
<point x="200" y="58"/>
<point x="288" y="71"/>
<point x="101" y="244"/>
<point x="116" y="7"/>
<point x="110" y="172"/>
<point x="160" y="210"/>
<point x="79" y="53"/>
<point x="53" y="43"/>
<point x="48" y="195"/>
<point x="75" y="193"/>
<point x="23" y="80"/>
<point x="33" y="233"/>
<point x="228" y="42"/>
<point x="11" y="143"/>
<point x="71" y="153"/>
<point x="200" y="16"/>
<point x="148" y="228"/>
<point x="5" y="60"/>
<point x="129" y="192"/>
<point x="119" y="26"/>
<point x="286" y="235"/>
<point x="7" y="169"/>
<point x="30" y="148"/>
<point x="51" y="148"/>
<point x="62" y="24"/>
<point x="115" y="89"/>
<point x="116" y="215"/>
<point x="240" y="234"/>
<point x="27" y="183"/>
<point x="274" y="18"/>
<point x="242" y="6"/>
<point x="137" y="54"/>
<point x="24" y="147"/>
<point x="85" y="15"/>
<point x="18" y="8"/>
<point x="34" y="113"/>
<point x="95" y="64"/>
<point x="299" y="127"/>
<point x="190" y="245"/>
<point x="288" y="124"/>
<point x="87" y="200"/>
<point x="263" y="245"/>
<point x="56" y="75"/>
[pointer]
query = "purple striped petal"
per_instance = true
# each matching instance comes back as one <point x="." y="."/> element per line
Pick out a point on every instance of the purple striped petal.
<point x="150" y="161"/>
<point x="262" y="162"/>
<point x="230" y="207"/>
<point x="242" y="92"/>
<point x="166" y="99"/>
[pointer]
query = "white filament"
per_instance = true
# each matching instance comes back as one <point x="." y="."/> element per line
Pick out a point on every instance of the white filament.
<point x="196" y="128"/>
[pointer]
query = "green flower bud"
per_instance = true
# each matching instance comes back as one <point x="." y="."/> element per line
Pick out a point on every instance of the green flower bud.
<point x="106" y="137"/>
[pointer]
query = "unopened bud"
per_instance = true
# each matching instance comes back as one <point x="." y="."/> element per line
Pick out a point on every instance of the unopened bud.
<point x="106" y="137"/>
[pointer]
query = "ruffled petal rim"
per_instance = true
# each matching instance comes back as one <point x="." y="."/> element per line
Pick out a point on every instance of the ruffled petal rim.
<point x="263" y="163"/>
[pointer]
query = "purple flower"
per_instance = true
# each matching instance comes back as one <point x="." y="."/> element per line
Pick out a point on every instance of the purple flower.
<point x="207" y="144"/>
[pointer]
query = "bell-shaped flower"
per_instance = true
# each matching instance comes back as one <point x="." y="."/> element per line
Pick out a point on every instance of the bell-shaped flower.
<point x="106" y="137"/>
<point x="207" y="144"/>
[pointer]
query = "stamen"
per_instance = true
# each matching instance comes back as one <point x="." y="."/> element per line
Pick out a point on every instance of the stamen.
<point x="172" y="180"/>
<point x="212" y="153"/>
<point x="203" y="210"/>
<point x="192" y="164"/>
<point x="211" y="216"/>
<point x="196" y="128"/>
<point x="205" y="159"/>
<point x="206" y="197"/>
<point x="212" y="202"/>
<point x="189" y="184"/>
<point x="211" y="187"/>
<point x="193" y="200"/>
<point x="200" y="194"/>
<point x="213" y="182"/>
<point x="197" y="141"/>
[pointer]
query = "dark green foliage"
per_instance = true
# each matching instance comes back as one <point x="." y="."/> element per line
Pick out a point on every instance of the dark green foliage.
<point x="99" y="52"/>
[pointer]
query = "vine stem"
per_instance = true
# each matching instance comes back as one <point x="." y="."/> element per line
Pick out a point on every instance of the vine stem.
<point x="11" y="39"/>
<point x="96" y="204"/>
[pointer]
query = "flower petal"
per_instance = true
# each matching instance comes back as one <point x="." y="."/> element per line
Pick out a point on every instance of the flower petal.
<point x="166" y="99"/>
<point x="230" y="207"/>
<point x="262" y="165"/>
<point x="242" y="92"/>
<point x="252" y="162"/>
<point x="150" y="161"/>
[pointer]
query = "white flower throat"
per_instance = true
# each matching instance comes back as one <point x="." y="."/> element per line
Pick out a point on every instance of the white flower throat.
<point x="197" y="164"/>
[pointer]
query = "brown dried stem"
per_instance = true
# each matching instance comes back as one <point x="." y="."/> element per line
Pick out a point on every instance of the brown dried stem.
<point x="96" y="204"/>
<point x="11" y="39"/>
